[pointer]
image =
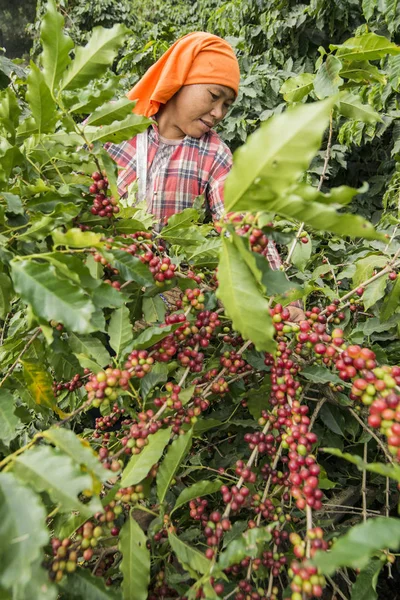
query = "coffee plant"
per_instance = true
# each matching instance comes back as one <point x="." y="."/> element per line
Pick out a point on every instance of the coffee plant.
<point x="167" y="431"/>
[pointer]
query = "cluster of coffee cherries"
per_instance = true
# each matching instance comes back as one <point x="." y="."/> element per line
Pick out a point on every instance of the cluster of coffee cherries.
<point x="234" y="362"/>
<point x="108" y="421"/>
<point x="65" y="557"/>
<point x="214" y="524"/>
<point x="171" y="399"/>
<point x="162" y="269"/>
<point x="306" y="582"/>
<point x="103" y="206"/>
<point x="106" y="386"/>
<point x="315" y="538"/>
<point x="194" y="298"/>
<point x="72" y="385"/>
<point x="137" y="436"/>
<point x="130" y="495"/>
<point x="139" y="363"/>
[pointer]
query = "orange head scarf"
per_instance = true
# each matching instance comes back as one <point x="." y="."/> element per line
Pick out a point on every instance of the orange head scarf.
<point x="195" y="58"/>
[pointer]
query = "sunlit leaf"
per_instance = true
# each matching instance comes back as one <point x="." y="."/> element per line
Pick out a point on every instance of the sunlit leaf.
<point x="135" y="564"/>
<point x="171" y="463"/>
<point x="140" y="464"/>
<point x="51" y="471"/>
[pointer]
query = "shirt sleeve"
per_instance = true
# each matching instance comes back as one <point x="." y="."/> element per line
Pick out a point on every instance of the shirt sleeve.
<point x="215" y="188"/>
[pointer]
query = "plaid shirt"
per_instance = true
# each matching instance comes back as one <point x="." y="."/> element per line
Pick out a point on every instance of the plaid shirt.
<point x="197" y="166"/>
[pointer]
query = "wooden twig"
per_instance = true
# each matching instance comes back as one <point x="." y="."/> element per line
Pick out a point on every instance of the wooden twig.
<point x="372" y="434"/>
<point x="364" y="485"/>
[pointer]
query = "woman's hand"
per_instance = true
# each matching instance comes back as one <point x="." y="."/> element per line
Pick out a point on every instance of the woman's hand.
<point x="296" y="314"/>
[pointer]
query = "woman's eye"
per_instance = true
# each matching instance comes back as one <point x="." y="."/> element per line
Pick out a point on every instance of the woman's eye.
<point x="214" y="97"/>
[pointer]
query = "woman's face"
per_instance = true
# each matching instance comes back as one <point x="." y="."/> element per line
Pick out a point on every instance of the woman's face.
<point x="195" y="109"/>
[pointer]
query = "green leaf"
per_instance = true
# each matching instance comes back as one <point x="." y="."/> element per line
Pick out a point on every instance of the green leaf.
<point x="118" y="131"/>
<point x="120" y="330"/>
<point x="140" y="464"/>
<point x="197" y="490"/>
<point x="361" y="72"/>
<point x="275" y="282"/>
<point x="321" y="216"/>
<point x="333" y="418"/>
<point x="247" y="545"/>
<point x="158" y="374"/>
<point x="5" y="294"/>
<point x="89" y="346"/>
<point x="205" y="254"/>
<point x="80" y="452"/>
<point x="110" y="112"/>
<point x="23" y="532"/>
<point x="257" y="400"/>
<point x="135" y="564"/>
<point x="181" y="220"/>
<point x="129" y="225"/>
<point x="366" y="266"/>
<point x="51" y="471"/>
<point x="40" y="385"/>
<point x="275" y="156"/>
<point x="365" y="47"/>
<point x="154" y="309"/>
<point x="320" y="375"/>
<point x="296" y="88"/>
<point x="391" y="302"/>
<point x="39" y="585"/>
<point x="238" y="289"/>
<point x="392" y="471"/>
<point x="188" y="556"/>
<point x="327" y="80"/>
<point x="359" y="544"/>
<point x="75" y="238"/>
<point x="40" y="101"/>
<point x="171" y="463"/>
<point x="106" y="296"/>
<point x="152" y="335"/>
<point x="352" y="107"/>
<point x="374" y="292"/>
<point x="82" y="584"/>
<point x="368" y="8"/>
<point x="51" y="297"/>
<point x="9" y="422"/>
<point x="301" y="255"/>
<point x="92" y="60"/>
<point x="14" y="204"/>
<point x="130" y="267"/>
<point x="42" y="225"/>
<point x="56" y="46"/>
<point x="364" y="587"/>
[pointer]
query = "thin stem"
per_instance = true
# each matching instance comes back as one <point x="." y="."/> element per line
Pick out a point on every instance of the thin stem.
<point x="373" y="434"/>
<point x="336" y="589"/>
<point x="316" y="411"/>
<point x="11" y="457"/>
<point x="248" y="466"/>
<point x="3" y="329"/>
<point x="24" y="349"/>
<point x="309" y="527"/>
<point x="83" y="407"/>
<point x="392" y="264"/>
<point x="364" y="485"/>
<point x="391" y="239"/>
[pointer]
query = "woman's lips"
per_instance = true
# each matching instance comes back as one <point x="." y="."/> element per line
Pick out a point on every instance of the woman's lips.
<point x="207" y="125"/>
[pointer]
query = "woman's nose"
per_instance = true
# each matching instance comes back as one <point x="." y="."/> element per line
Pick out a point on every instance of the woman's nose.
<point x="217" y="112"/>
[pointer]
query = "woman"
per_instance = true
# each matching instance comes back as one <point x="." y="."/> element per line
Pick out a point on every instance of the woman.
<point x="188" y="91"/>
